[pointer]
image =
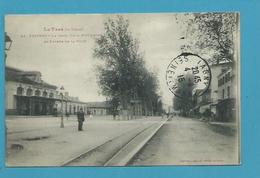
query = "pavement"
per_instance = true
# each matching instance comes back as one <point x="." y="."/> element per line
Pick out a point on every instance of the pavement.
<point x="225" y="128"/>
<point x="39" y="141"/>
<point x="186" y="141"/>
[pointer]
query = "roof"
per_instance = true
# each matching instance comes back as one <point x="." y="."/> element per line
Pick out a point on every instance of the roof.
<point x="226" y="63"/>
<point x="224" y="71"/>
<point x="17" y="75"/>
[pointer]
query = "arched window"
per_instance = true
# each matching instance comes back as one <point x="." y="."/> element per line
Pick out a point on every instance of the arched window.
<point x="51" y="95"/>
<point x="37" y="93"/>
<point x="19" y="91"/>
<point x="44" y="94"/>
<point x="29" y="92"/>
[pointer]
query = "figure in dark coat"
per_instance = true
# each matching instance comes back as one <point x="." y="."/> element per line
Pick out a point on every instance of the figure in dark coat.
<point x="81" y="119"/>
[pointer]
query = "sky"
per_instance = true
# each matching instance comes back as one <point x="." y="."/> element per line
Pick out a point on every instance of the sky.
<point x="61" y="48"/>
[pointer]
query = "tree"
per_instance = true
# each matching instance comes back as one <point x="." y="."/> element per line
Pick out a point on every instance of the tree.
<point x="123" y="75"/>
<point x="211" y="33"/>
<point x="183" y="102"/>
<point x="147" y="90"/>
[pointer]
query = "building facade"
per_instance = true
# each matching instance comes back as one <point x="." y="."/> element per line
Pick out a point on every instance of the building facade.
<point x="227" y="90"/>
<point x="209" y="100"/>
<point x="27" y="94"/>
<point x="98" y="108"/>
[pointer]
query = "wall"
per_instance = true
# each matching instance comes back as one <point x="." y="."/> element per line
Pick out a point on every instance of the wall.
<point x="230" y="83"/>
<point x="11" y="91"/>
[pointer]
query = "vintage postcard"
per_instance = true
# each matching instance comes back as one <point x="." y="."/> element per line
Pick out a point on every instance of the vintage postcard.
<point x="122" y="89"/>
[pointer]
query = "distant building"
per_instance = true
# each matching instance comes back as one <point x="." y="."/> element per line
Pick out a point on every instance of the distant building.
<point x="27" y="94"/>
<point x="98" y="108"/>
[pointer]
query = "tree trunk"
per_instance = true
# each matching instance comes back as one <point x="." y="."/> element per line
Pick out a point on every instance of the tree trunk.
<point x="124" y="107"/>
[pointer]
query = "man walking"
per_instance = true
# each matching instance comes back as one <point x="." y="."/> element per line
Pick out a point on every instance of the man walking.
<point x="81" y="119"/>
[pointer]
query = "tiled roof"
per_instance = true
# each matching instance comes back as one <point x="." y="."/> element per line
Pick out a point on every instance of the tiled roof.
<point x="17" y="75"/>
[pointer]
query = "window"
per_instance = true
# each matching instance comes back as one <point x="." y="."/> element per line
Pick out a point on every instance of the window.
<point x="19" y="91"/>
<point x="29" y="92"/>
<point x="37" y="93"/>
<point x="51" y="95"/>
<point x="229" y="76"/>
<point x="44" y="94"/>
<point x="223" y="93"/>
<point x="228" y="92"/>
<point x="220" y="82"/>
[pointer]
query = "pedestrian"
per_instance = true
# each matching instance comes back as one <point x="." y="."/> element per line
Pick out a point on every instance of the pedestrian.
<point x="81" y="119"/>
<point x="67" y="115"/>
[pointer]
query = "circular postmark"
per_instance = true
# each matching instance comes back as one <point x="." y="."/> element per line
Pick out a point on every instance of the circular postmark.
<point x="188" y="74"/>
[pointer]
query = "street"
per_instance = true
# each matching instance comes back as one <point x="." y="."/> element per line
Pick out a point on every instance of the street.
<point x="40" y="141"/>
<point x="183" y="141"/>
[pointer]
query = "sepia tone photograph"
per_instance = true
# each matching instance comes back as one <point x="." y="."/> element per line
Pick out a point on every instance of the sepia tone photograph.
<point x="147" y="89"/>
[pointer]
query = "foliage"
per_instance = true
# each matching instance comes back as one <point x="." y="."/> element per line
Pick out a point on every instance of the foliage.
<point x="210" y="33"/>
<point x="123" y="76"/>
<point x="183" y="102"/>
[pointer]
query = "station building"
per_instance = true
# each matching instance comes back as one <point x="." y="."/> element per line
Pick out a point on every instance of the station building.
<point x="27" y="94"/>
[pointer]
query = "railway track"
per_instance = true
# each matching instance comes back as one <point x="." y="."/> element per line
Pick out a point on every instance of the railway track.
<point x="117" y="151"/>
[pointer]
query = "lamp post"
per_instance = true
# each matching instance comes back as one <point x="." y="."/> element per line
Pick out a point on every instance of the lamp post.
<point x="61" y="93"/>
<point x="8" y="43"/>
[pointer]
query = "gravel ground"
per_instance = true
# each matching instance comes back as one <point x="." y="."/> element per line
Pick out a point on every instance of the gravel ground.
<point x="40" y="141"/>
<point x="183" y="141"/>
